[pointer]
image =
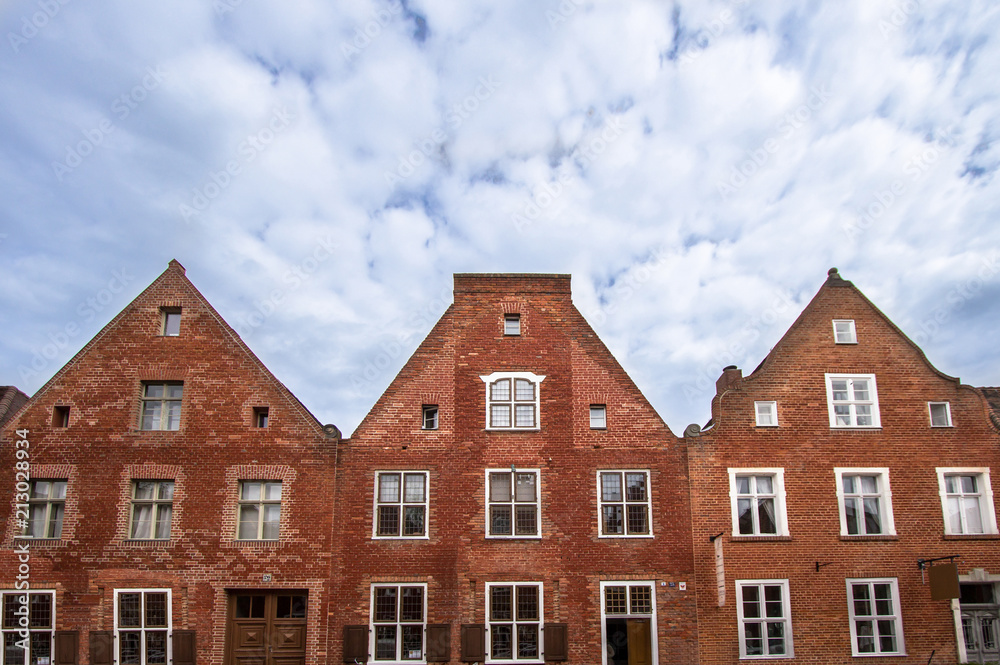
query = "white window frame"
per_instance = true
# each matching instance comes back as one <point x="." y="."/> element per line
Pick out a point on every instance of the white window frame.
<point x="541" y="623"/>
<point x="876" y="418"/>
<point x="167" y="314"/>
<point x="851" y="334"/>
<point x="4" y="630"/>
<point x="598" y="416"/>
<point x="884" y="493"/>
<point x="402" y="504"/>
<point x="897" y="616"/>
<point x="116" y="657"/>
<point x="772" y="412"/>
<point x="513" y="514"/>
<point x="512" y="324"/>
<point x="156" y="506"/>
<point x="399" y="623"/>
<point x="536" y="379"/>
<point x="947" y="413"/>
<point x="624" y="503"/>
<point x="780" y="514"/>
<point x="430" y="416"/>
<point x="786" y="608"/>
<point x="652" y="617"/>
<point x="987" y="512"/>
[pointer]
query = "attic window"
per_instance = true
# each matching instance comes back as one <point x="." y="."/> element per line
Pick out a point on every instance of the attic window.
<point x="171" y="321"/>
<point x="60" y="416"/>
<point x="430" y="416"/>
<point x="260" y="416"/>
<point x="940" y="414"/>
<point x="844" y="331"/>
<point x="511" y="324"/>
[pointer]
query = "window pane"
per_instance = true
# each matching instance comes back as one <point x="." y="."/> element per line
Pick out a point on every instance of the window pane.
<point x="524" y="390"/>
<point x="772" y="601"/>
<point x="55" y="520"/>
<point x="950" y="484"/>
<point x="412" y="608"/>
<point x="524" y="415"/>
<point x="40" y="610"/>
<point x="866" y="636"/>
<point x="151" y="415"/>
<point x="776" y="638"/>
<point x="765" y="510"/>
<point x="637" y="519"/>
<point x="887" y="636"/>
<point x="388" y="487"/>
<point x="526" y="524"/>
<point x="862" y="604"/>
<point x="635" y="484"/>
<point x="166" y="491"/>
<point x="501" y="604"/>
<point x="851" y="515"/>
<point x="869" y="484"/>
<point x="764" y="484"/>
<point x="145" y="490"/>
<point x="849" y="484"/>
<point x="642" y="601"/>
<point x="41" y="647"/>
<point x="873" y="521"/>
<point x="973" y="520"/>
<point x="385" y="643"/>
<point x="156" y="610"/>
<point x="414" y="492"/>
<point x="525" y="490"/>
<point x="154" y="390"/>
<point x="500" y="642"/>
<point x="130" y="610"/>
<point x="249" y="518"/>
<point x="954" y="514"/>
<point x="500" y="391"/>
<point x="385" y="604"/>
<point x="251" y="492"/>
<point x="173" y="415"/>
<point x="861" y="390"/>
<point x="175" y="391"/>
<point x="527" y="603"/>
<point x="131" y="648"/>
<point x="163" y="521"/>
<point x="156" y="647"/>
<point x="751" y="602"/>
<point x="743" y="484"/>
<point x="753" y="639"/>
<point x="611" y="486"/>
<point x="272" y="491"/>
<point x="527" y="641"/>
<point x="500" y="487"/>
<point x="413" y="524"/>
<point x="500" y="520"/>
<point x="388" y="520"/>
<point x="969" y="484"/>
<point x="141" y="521"/>
<point x="745" y="516"/>
<point x="413" y="642"/>
<point x="614" y="600"/>
<point x="613" y="523"/>
<point x="500" y="415"/>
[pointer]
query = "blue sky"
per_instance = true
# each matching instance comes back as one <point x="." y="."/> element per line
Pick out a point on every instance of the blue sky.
<point x="322" y="169"/>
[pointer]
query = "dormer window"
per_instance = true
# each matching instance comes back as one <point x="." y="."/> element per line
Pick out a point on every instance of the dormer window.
<point x="844" y="331"/>
<point x="512" y="400"/>
<point x="511" y="324"/>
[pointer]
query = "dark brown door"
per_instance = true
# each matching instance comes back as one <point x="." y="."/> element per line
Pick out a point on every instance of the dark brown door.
<point x="639" y="649"/>
<point x="267" y="628"/>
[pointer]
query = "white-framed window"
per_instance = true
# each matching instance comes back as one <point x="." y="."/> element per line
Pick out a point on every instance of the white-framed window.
<point x="512" y="400"/>
<point x="513" y="499"/>
<point x="628" y="620"/>
<point x="259" y="510"/>
<point x="152" y="508"/>
<point x="142" y="626"/>
<point x="39" y="607"/>
<point x="876" y="621"/>
<point x="46" y="507"/>
<point x="766" y="414"/>
<point x="624" y="503"/>
<point x="511" y="324"/>
<point x="598" y="416"/>
<point x="852" y="400"/>
<point x="844" y="331"/>
<point x="967" y="500"/>
<point x="764" y="615"/>
<point x="401" y="504"/>
<point x="940" y="413"/>
<point x="514" y="620"/>
<point x="170" y="318"/>
<point x="864" y="501"/>
<point x="757" y="500"/>
<point x="398" y="621"/>
<point x="161" y="406"/>
<point x="429" y="416"/>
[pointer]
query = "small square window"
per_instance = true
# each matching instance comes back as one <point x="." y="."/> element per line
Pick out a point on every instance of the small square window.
<point x="767" y="414"/>
<point x="844" y="331"/>
<point x="511" y="324"/>
<point x="260" y="416"/>
<point x="430" y="416"/>
<point x="940" y="414"/>
<point x="60" y="416"/>
<point x="171" y="322"/>
<point x="598" y="416"/>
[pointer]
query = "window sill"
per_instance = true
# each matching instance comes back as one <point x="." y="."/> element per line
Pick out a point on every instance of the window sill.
<point x="392" y="538"/>
<point x="147" y="542"/>
<point x="759" y="539"/>
<point x="254" y="544"/>
<point x="513" y="429"/>
<point x="856" y="428"/>
<point x="626" y="536"/>
<point x="40" y="542"/>
<point x="972" y="536"/>
<point x="491" y="537"/>
<point x="847" y="538"/>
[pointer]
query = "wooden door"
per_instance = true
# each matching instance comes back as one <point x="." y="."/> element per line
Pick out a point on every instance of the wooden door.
<point x="267" y="628"/>
<point x="640" y="650"/>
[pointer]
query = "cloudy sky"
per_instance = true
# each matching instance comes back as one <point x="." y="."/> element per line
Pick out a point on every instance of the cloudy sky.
<point x="322" y="168"/>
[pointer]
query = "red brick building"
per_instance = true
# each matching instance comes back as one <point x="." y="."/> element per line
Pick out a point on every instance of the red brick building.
<point x="827" y="479"/>
<point x="514" y="493"/>
<point x="168" y="497"/>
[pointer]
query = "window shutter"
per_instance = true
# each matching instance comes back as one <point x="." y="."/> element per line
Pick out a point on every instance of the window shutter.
<point x="355" y="644"/>
<point x="67" y="647"/>
<point x="556" y="641"/>
<point x="184" y="647"/>
<point x="473" y="643"/>
<point x="438" y="642"/>
<point x="101" y="647"/>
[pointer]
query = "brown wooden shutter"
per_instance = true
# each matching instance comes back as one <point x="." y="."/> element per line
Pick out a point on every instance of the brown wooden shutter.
<point x="101" y="647"/>
<point x="556" y="641"/>
<point x="355" y="644"/>
<point x="67" y="647"/>
<point x="184" y="647"/>
<point x="438" y="642"/>
<point x="473" y="643"/>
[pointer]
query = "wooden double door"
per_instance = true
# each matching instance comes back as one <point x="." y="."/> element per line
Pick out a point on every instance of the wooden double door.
<point x="266" y="628"/>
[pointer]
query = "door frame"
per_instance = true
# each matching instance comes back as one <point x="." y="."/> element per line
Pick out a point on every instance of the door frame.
<point x="229" y="653"/>
<point x="653" y="633"/>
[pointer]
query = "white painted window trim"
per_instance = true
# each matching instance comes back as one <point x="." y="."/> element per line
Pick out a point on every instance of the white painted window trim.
<point x="16" y="631"/>
<point x="947" y="411"/>
<point x="780" y="512"/>
<point x="876" y="417"/>
<point x="885" y="493"/>
<point x="986" y="506"/>
<point x="652" y="617"/>
<point x="402" y="504"/>
<point x="774" y="413"/>
<point x="537" y="379"/>
<point x="897" y="616"/>
<point x="853" y="332"/>
<point x="786" y="607"/>
<point x="603" y="411"/>
<point x="541" y="623"/>
<point x="648" y="503"/>
<point x="398" y="624"/>
<point x="142" y="642"/>
<point x="513" y="517"/>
